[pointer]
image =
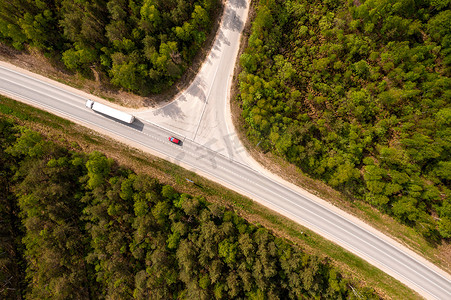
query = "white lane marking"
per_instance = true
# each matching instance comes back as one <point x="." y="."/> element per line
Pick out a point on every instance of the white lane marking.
<point x="318" y="206"/>
<point x="325" y="232"/>
<point x="206" y="101"/>
<point x="351" y="234"/>
<point x="43" y="82"/>
<point x="247" y="179"/>
<point x="72" y="103"/>
<point x="224" y="168"/>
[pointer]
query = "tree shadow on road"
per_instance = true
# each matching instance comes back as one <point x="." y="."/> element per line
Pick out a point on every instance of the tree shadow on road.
<point x="232" y="21"/>
<point x="238" y="3"/>
<point x="197" y="89"/>
<point x="172" y="110"/>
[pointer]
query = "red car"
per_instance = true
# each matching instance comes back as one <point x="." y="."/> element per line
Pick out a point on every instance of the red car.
<point x="174" y="140"/>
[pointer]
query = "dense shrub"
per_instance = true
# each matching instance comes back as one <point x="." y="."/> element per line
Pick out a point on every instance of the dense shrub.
<point x="143" y="46"/>
<point x="94" y="230"/>
<point x="358" y="95"/>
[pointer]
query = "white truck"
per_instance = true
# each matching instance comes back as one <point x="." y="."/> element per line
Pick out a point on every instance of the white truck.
<point x="109" y="111"/>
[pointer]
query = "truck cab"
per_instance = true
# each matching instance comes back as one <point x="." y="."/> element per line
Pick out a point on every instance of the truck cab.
<point x="89" y="103"/>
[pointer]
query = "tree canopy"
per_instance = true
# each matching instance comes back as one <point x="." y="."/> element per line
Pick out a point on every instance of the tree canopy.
<point x="357" y="94"/>
<point x="86" y="228"/>
<point x="142" y="46"/>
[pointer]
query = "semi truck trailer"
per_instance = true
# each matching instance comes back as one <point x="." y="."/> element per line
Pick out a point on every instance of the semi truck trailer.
<point x="109" y="111"/>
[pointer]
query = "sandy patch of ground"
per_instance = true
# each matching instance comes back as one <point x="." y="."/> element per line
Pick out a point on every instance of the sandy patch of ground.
<point x="98" y="85"/>
<point x="281" y="171"/>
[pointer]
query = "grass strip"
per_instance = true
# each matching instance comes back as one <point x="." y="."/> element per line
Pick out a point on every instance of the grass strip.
<point x="83" y="139"/>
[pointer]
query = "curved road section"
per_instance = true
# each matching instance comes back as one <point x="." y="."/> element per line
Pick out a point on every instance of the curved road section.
<point x="203" y="158"/>
<point x="408" y="267"/>
<point x="200" y="113"/>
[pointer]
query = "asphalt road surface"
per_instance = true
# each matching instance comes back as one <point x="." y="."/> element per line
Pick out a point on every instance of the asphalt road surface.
<point x="200" y="116"/>
<point x="201" y="112"/>
<point x="407" y="267"/>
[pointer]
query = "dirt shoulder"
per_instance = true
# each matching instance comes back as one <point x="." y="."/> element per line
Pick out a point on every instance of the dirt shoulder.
<point x="134" y="156"/>
<point x="98" y="85"/>
<point x="438" y="254"/>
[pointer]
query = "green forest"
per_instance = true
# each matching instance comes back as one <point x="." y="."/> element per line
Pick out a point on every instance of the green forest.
<point x="357" y="94"/>
<point x="142" y="46"/>
<point x="79" y="226"/>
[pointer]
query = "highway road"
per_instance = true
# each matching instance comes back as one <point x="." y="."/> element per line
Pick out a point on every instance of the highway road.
<point x="200" y="155"/>
<point x="382" y="252"/>
<point x="201" y="112"/>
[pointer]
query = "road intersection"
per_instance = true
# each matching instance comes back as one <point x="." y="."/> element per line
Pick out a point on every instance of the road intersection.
<point x="201" y="117"/>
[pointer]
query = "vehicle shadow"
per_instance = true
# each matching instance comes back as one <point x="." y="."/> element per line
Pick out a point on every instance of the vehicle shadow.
<point x="137" y="124"/>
